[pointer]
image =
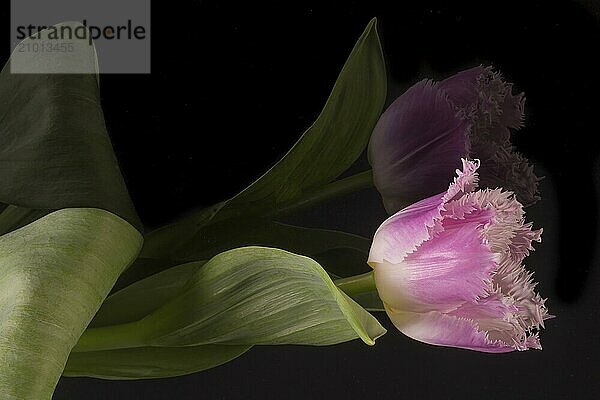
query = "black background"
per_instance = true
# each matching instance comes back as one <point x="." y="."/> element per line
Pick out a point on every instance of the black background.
<point x="234" y="85"/>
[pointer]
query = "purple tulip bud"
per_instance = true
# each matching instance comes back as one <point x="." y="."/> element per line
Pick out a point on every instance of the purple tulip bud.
<point x="419" y="140"/>
<point x="449" y="269"/>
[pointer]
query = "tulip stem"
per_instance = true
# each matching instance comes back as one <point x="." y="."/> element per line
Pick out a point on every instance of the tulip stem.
<point x="350" y="184"/>
<point x="356" y="284"/>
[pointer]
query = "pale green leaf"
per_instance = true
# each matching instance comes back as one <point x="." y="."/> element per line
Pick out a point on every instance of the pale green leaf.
<point x="259" y="295"/>
<point x="135" y="299"/>
<point x="246" y="296"/>
<point x="54" y="274"/>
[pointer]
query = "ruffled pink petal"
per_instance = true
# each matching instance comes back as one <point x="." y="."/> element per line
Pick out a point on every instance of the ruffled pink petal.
<point x="502" y="319"/>
<point x="404" y="231"/>
<point x="445" y="330"/>
<point x="514" y="281"/>
<point x="465" y="181"/>
<point x="508" y="233"/>
<point x="401" y="233"/>
<point x="452" y="267"/>
<point x="511" y="238"/>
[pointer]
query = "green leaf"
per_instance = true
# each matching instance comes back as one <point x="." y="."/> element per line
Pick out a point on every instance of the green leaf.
<point x="336" y="138"/>
<point x="150" y="362"/>
<point x="54" y="148"/>
<point x="246" y="296"/>
<point x="136" y="298"/>
<point x="257" y="295"/>
<point x="54" y="274"/>
<point x="334" y="141"/>
<point x="138" y="295"/>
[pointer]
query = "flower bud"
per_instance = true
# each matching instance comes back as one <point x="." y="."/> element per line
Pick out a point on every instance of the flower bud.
<point x="419" y="140"/>
<point x="449" y="269"/>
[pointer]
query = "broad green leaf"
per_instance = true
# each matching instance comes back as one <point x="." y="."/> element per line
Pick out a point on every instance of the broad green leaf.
<point x="138" y="294"/>
<point x="251" y="295"/>
<point x="150" y="362"/>
<point x="333" y="142"/>
<point x="259" y="295"/>
<point x="54" y="274"/>
<point x="54" y="148"/>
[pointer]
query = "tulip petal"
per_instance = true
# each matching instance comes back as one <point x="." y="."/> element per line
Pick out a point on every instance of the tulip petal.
<point x="401" y="233"/>
<point x="508" y="233"/>
<point x="482" y="94"/>
<point x="445" y="330"/>
<point x="503" y="167"/>
<point x="483" y="97"/>
<point x="416" y="145"/>
<point x="461" y="87"/>
<point x="404" y="231"/>
<point x="453" y="267"/>
<point x="502" y="319"/>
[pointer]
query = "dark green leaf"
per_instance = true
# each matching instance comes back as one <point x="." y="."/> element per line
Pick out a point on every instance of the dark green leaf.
<point x="323" y="152"/>
<point x="150" y="362"/>
<point x="54" y="149"/>
<point x="13" y="217"/>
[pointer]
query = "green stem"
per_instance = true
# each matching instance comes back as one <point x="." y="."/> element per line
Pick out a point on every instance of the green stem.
<point x="111" y="337"/>
<point x="354" y="285"/>
<point x="362" y="180"/>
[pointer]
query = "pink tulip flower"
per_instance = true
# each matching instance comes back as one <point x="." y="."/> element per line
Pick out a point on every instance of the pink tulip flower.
<point x="449" y="269"/>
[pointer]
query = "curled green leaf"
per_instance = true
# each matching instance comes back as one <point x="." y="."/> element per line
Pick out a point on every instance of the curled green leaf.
<point x="247" y="296"/>
<point x="54" y="274"/>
